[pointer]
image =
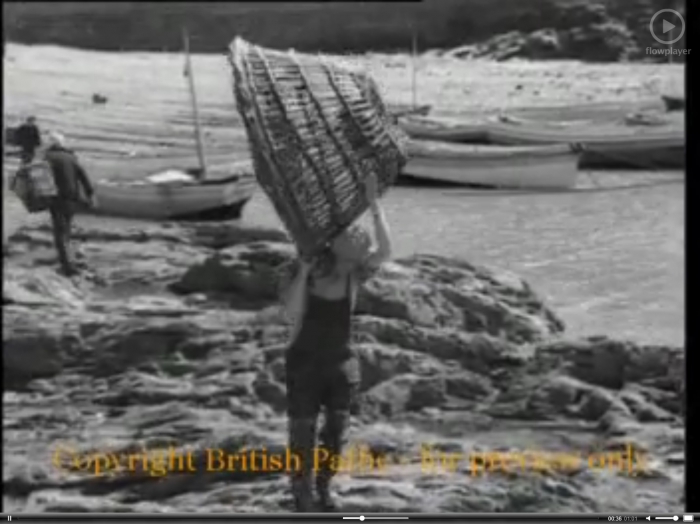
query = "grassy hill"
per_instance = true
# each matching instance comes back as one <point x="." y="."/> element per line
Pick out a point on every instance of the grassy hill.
<point x="333" y="27"/>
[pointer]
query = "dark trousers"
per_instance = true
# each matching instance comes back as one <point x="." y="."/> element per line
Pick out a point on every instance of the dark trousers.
<point x="62" y="222"/>
<point x="311" y="389"/>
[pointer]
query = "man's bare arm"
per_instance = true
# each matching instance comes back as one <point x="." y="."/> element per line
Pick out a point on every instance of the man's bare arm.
<point x="381" y="229"/>
<point x="293" y="298"/>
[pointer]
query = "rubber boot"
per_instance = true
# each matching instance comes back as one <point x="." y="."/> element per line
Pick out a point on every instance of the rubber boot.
<point x="332" y="438"/>
<point x="302" y="440"/>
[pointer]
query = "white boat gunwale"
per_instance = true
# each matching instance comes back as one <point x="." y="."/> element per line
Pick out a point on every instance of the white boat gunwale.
<point x="533" y="167"/>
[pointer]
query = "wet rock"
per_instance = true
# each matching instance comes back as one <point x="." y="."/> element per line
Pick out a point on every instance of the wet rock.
<point x="451" y="354"/>
<point x="222" y="236"/>
<point x="612" y="363"/>
<point x="406" y="393"/>
<point x="380" y="363"/>
<point x="130" y="343"/>
<point x="36" y="345"/>
<point x="478" y="353"/>
<point x="40" y="287"/>
<point x="425" y="290"/>
<point x="269" y="391"/>
<point x="642" y="404"/>
<point x="468" y="386"/>
<point x="443" y="292"/>
<point x="252" y="271"/>
<point x="544" y="43"/>
<point x="596" y="361"/>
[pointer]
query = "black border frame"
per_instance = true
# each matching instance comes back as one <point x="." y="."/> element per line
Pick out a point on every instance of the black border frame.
<point x="692" y="360"/>
<point x="692" y="463"/>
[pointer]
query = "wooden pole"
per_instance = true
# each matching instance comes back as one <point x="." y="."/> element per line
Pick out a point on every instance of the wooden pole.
<point x="414" y="52"/>
<point x="193" y="99"/>
<point x="674" y="5"/>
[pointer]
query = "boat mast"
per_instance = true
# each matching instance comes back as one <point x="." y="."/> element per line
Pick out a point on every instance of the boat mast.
<point x="193" y="100"/>
<point x="413" y="67"/>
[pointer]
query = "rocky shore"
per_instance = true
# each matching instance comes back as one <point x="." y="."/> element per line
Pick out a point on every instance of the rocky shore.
<point x="171" y="342"/>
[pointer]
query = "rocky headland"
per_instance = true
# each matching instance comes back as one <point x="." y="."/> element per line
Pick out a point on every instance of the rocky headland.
<point x="595" y="31"/>
<point x="171" y="339"/>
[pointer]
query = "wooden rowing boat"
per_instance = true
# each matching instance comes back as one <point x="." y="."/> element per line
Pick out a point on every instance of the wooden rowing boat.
<point x="603" y="148"/>
<point x="642" y="155"/>
<point x="180" y="197"/>
<point x="407" y="110"/>
<point x="673" y="103"/>
<point x="502" y="133"/>
<point x="540" y="167"/>
<point x="476" y="128"/>
<point x="586" y="113"/>
<point x="444" y="130"/>
<point x="176" y="194"/>
<point x="641" y="147"/>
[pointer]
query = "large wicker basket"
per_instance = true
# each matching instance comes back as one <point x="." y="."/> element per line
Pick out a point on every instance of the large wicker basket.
<point x="316" y="131"/>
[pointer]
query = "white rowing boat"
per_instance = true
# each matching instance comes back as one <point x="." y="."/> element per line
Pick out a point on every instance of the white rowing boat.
<point x="539" y="167"/>
<point x="176" y="196"/>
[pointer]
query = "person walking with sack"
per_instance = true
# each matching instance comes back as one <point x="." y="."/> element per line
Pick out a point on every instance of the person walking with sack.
<point x="73" y="187"/>
<point x="322" y="370"/>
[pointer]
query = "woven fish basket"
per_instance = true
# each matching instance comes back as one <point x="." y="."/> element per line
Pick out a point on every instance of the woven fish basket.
<point x="316" y="131"/>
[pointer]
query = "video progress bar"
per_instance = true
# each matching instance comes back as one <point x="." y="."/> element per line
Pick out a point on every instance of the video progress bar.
<point x="362" y="518"/>
<point x="490" y="518"/>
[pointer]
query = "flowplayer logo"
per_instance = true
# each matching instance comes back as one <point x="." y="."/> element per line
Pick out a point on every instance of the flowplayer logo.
<point x="666" y="21"/>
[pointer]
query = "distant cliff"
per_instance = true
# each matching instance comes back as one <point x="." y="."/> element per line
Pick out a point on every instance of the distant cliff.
<point x="604" y="30"/>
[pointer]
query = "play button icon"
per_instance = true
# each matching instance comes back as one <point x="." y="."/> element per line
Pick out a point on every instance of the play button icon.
<point x="667" y="17"/>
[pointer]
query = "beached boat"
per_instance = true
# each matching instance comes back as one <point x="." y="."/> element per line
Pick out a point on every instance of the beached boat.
<point x="650" y="148"/>
<point x="174" y="195"/>
<point x="444" y="130"/>
<point x="673" y="103"/>
<point x="597" y="126"/>
<point x="640" y="155"/>
<point x="475" y="129"/>
<point x="406" y="110"/>
<point x="522" y="133"/>
<point x="541" y="167"/>
<point x="591" y="113"/>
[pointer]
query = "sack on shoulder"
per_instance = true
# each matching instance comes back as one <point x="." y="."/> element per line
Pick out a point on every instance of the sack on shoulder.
<point x="34" y="186"/>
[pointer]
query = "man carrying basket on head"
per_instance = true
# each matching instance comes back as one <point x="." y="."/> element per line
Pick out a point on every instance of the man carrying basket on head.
<point x="322" y="370"/>
<point x="322" y="154"/>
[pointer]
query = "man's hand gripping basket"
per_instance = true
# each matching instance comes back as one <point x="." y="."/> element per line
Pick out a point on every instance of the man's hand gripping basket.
<point x="316" y="131"/>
